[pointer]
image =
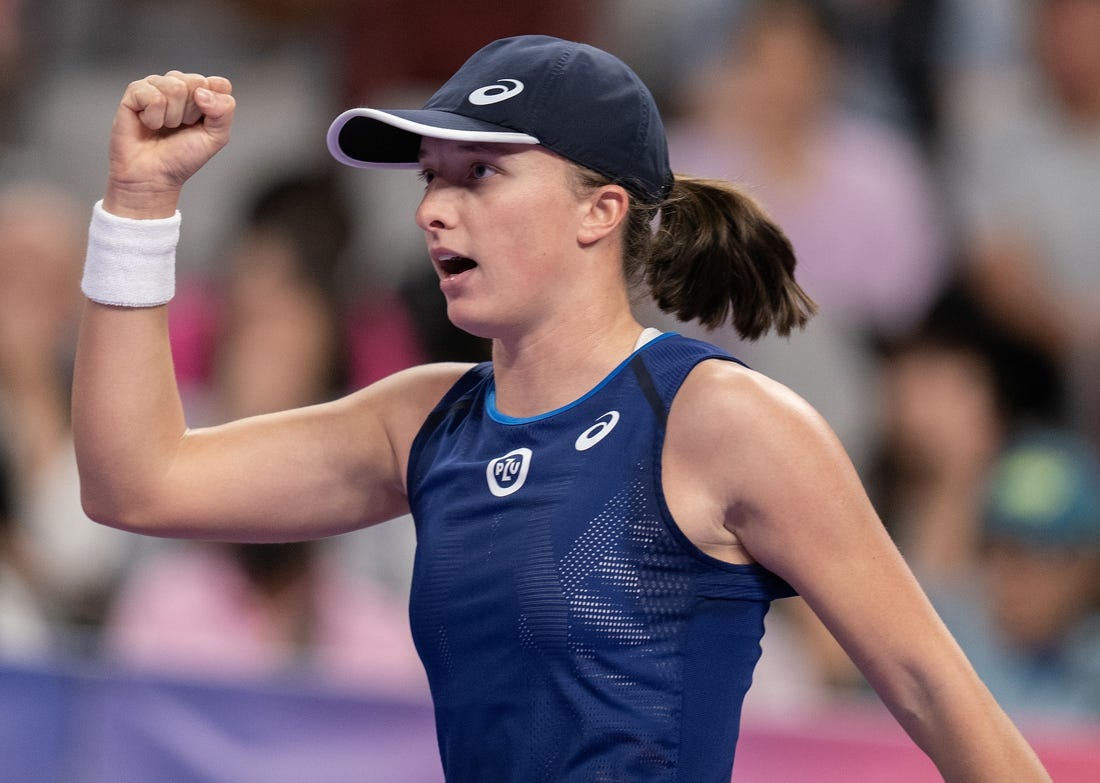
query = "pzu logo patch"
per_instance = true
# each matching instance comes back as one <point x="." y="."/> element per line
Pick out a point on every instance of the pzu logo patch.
<point x="508" y="473"/>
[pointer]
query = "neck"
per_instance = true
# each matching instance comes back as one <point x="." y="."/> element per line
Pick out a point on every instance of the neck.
<point x="547" y="370"/>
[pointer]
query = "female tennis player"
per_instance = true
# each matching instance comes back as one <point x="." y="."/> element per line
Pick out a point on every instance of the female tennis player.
<point x="603" y="512"/>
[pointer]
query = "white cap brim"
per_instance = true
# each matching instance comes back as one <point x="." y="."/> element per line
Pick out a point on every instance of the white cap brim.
<point x="365" y="138"/>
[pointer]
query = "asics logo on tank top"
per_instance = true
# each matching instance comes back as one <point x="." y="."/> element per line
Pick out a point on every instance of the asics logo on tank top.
<point x="508" y="473"/>
<point x="495" y="93"/>
<point x="598" y="431"/>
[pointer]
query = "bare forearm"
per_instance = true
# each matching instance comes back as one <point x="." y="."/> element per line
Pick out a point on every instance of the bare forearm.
<point x="959" y="724"/>
<point x="127" y="414"/>
<point x="1001" y="756"/>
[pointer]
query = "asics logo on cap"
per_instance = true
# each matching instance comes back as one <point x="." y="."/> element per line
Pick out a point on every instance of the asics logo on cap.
<point x="508" y="473"/>
<point x="495" y="93"/>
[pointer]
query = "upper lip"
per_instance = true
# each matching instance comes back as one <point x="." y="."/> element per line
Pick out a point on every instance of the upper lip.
<point x="439" y="254"/>
<point x="442" y="256"/>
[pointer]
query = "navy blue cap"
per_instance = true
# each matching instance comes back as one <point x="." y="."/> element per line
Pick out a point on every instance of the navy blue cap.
<point x="573" y="99"/>
<point x="1045" y="491"/>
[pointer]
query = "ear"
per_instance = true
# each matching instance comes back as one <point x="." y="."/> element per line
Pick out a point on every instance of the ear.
<point x="605" y="210"/>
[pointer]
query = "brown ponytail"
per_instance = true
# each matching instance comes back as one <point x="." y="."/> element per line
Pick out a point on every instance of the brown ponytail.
<point x="717" y="257"/>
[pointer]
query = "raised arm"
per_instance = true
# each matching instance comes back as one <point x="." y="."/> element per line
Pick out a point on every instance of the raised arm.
<point x="793" y="501"/>
<point x="291" y="475"/>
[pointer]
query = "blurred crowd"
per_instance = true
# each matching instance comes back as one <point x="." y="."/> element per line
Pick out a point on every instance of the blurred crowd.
<point x="936" y="164"/>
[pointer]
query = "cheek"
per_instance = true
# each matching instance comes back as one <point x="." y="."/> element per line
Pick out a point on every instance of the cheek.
<point x="535" y="235"/>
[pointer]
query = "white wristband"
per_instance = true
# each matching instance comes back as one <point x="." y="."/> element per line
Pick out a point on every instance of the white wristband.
<point x="130" y="263"/>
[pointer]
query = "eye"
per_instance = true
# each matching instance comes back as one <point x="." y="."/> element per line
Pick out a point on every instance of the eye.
<point x="426" y="176"/>
<point x="481" y="171"/>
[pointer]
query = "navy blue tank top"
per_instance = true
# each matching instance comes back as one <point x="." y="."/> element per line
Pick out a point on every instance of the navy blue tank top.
<point x="569" y="629"/>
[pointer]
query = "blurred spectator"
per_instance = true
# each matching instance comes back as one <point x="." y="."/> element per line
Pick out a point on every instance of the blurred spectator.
<point x="893" y="55"/>
<point x="370" y="332"/>
<point x="41" y="251"/>
<point x="282" y="343"/>
<point x="893" y="51"/>
<point x="261" y="610"/>
<point x="42" y="234"/>
<point x="289" y="285"/>
<point x="1027" y="171"/>
<point x="1031" y="621"/>
<point x="982" y="45"/>
<point x="948" y="391"/>
<point x="853" y="196"/>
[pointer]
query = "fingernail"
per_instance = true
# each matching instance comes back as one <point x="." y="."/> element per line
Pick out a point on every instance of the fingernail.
<point x="203" y="94"/>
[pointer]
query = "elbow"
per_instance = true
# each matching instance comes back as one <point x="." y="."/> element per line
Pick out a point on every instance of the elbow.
<point x="116" y="510"/>
<point x="120" y="498"/>
<point x="104" y="513"/>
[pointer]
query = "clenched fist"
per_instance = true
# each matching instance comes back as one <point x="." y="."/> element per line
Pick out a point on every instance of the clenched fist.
<point x="165" y="129"/>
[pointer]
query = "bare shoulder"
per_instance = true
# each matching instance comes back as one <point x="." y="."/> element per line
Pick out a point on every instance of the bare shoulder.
<point x="415" y="384"/>
<point x="764" y="457"/>
<point x="772" y="431"/>
<point x="722" y="400"/>
<point x="410" y="392"/>
<point x="401" y="402"/>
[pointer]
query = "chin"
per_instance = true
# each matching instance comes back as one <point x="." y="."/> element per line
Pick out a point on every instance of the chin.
<point x="467" y="322"/>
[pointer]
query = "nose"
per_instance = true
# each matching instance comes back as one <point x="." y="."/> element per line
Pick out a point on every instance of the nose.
<point x="436" y="209"/>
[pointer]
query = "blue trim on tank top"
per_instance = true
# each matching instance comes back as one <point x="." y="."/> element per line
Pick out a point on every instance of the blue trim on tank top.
<point x="500" y="418"/>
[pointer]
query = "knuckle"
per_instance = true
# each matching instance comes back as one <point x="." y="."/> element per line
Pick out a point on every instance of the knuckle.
<point x="191" y="80"/>
<point x="152" y="97"/>
<point x="175" y="88"/>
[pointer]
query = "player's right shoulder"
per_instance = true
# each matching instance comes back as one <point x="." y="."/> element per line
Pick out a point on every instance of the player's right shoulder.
<point x="419" y="386"/>
<point x="409" y="396"/>
<point x="427" y="382"/>
<point x="403" y="400"/>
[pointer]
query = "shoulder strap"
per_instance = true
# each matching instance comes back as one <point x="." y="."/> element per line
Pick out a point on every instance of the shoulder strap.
<point x="663" y="364"/>
<point x="458" y="396"/>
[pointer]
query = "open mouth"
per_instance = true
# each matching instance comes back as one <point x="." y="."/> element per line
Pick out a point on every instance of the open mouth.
<point x="456" y="265"/>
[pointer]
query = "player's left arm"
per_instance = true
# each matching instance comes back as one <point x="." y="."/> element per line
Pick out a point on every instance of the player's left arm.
<point x="794" y="501"/>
